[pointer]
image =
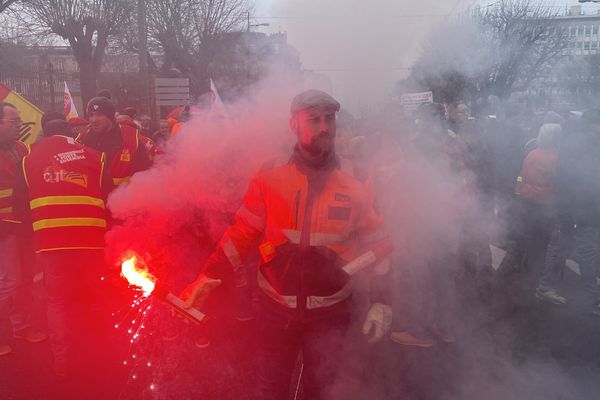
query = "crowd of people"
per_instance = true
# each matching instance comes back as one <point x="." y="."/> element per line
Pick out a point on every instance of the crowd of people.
<point x="517" y="180"/>
<point x="408" y="211"/>
<point x="54" y="194"/>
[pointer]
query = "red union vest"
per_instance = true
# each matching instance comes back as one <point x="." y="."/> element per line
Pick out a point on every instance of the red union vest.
<point x="10" y="161"/>
<point x="67" y="209"/>
<point x="121" y="166"/>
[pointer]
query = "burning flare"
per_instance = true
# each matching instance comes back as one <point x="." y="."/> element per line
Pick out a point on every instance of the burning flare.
<point x="136" y="276"/>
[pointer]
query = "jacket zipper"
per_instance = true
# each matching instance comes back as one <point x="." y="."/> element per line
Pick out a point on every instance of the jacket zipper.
<point x="305" y="244"/>
<point x="298" y="193"/>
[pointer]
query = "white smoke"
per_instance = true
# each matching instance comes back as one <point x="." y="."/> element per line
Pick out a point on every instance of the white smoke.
<point x="363" y="46"/>
<point x="194" y="188"/>
<point x="189" y="195"/>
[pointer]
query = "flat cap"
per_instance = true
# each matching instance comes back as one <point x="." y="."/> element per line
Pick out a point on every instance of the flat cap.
<point x="313" y="99"/>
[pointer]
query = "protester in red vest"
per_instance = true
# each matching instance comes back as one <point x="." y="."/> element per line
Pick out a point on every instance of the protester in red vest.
<point x="536" y="182"/>
<point x="67" y="187"/>
<point x="535" y="213"/>
<point x="15" y="282"/>
<point x="126" y="152"/>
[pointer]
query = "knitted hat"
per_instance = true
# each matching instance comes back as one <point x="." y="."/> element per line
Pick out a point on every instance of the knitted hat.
<point x="51" y="116"/>
<point x="129" y="111"/>
<point x="104" y="93"/>
<point x="58" y="127"/>
<point x="101" y="105"/>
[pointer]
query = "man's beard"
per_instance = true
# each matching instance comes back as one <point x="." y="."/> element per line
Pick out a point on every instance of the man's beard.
<point x="320" y="148"/>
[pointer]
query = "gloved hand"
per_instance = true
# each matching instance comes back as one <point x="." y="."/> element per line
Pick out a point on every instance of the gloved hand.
<point x="378" y="322"/>
<point x="196" y="293"/>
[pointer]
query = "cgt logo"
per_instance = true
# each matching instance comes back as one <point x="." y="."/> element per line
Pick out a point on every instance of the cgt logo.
<point x="125" y="155"/>
<point x="57" y="175"/>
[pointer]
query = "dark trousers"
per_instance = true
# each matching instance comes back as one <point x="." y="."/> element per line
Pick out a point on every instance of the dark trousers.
<point x="279" y="341"/>
<point x="559" y="248"/>
<point x="528" y="236"/>
<point x="587" y="254"/>
<point x="16" y="286"/>
<point x="72" y="282"/>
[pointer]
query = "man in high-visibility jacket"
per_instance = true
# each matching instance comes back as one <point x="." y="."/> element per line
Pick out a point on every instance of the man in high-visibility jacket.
<point x="67" y="186"/>
<point x="15" y="282"/>
<point x="127" y="150"/>
<point x="312" y="217"/>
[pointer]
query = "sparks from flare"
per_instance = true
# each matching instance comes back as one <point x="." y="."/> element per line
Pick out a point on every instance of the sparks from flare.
<point x="136" y="276"/>
<point x="134" y="270"/>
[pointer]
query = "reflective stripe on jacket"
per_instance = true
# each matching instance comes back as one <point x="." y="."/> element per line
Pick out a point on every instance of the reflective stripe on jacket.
<point x="121" y="165"/>
<point x="121" y="151"/>
<point x="65" y="192"/>
<point x="10" y="163"/>
<point x="308" y="224"/>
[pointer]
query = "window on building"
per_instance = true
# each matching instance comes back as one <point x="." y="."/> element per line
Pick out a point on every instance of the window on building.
<point x="595" y="30"/>
<point x="579" y="45"/>
<point x="586" y="46"/>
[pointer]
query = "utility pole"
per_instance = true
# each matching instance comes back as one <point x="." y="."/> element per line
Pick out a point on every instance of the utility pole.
<point x="143" y="54"/>
<point x="249" y="25"/>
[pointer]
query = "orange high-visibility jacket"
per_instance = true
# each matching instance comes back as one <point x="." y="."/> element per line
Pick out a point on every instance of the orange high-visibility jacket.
<point x="65" y="192"/>
<point x="10" y="163"/>
<point x="308" y="224"/>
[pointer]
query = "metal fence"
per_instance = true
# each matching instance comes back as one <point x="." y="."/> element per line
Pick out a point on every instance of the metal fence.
<point x="44" y="87"/>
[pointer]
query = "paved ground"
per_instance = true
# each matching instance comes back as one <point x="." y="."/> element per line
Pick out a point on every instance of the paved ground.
<point x="510" y="346"/>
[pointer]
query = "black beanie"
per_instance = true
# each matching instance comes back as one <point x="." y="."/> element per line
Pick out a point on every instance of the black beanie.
<point x="58" y="127"/>
<point x="51" y="116"/>
<point x="104" y="93"/>
<point x="101" y="105"/>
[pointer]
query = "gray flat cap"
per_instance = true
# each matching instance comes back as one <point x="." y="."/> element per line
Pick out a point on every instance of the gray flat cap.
<point x="313" y="99"/>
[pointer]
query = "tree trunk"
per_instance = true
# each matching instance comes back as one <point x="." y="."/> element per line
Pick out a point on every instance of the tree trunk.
<point x="87" y="81"/>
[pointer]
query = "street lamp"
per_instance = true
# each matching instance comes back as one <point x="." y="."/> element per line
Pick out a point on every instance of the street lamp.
<point x="254" y="25"/>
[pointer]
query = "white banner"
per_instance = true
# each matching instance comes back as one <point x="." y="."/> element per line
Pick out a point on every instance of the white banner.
<point x="412" y="101"/>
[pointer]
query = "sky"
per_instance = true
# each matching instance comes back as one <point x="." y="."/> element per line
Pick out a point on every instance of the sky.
<point x="364" y="47"/>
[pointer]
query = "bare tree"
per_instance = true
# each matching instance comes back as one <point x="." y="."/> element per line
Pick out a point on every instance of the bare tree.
<point x="526" y="40"/>
<point x="4" y="4"/>
<point x="580" y="79"/>
<point x="87" y="25"/>
<point x="497" y="50"/>
<point x="190" y="33"/>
